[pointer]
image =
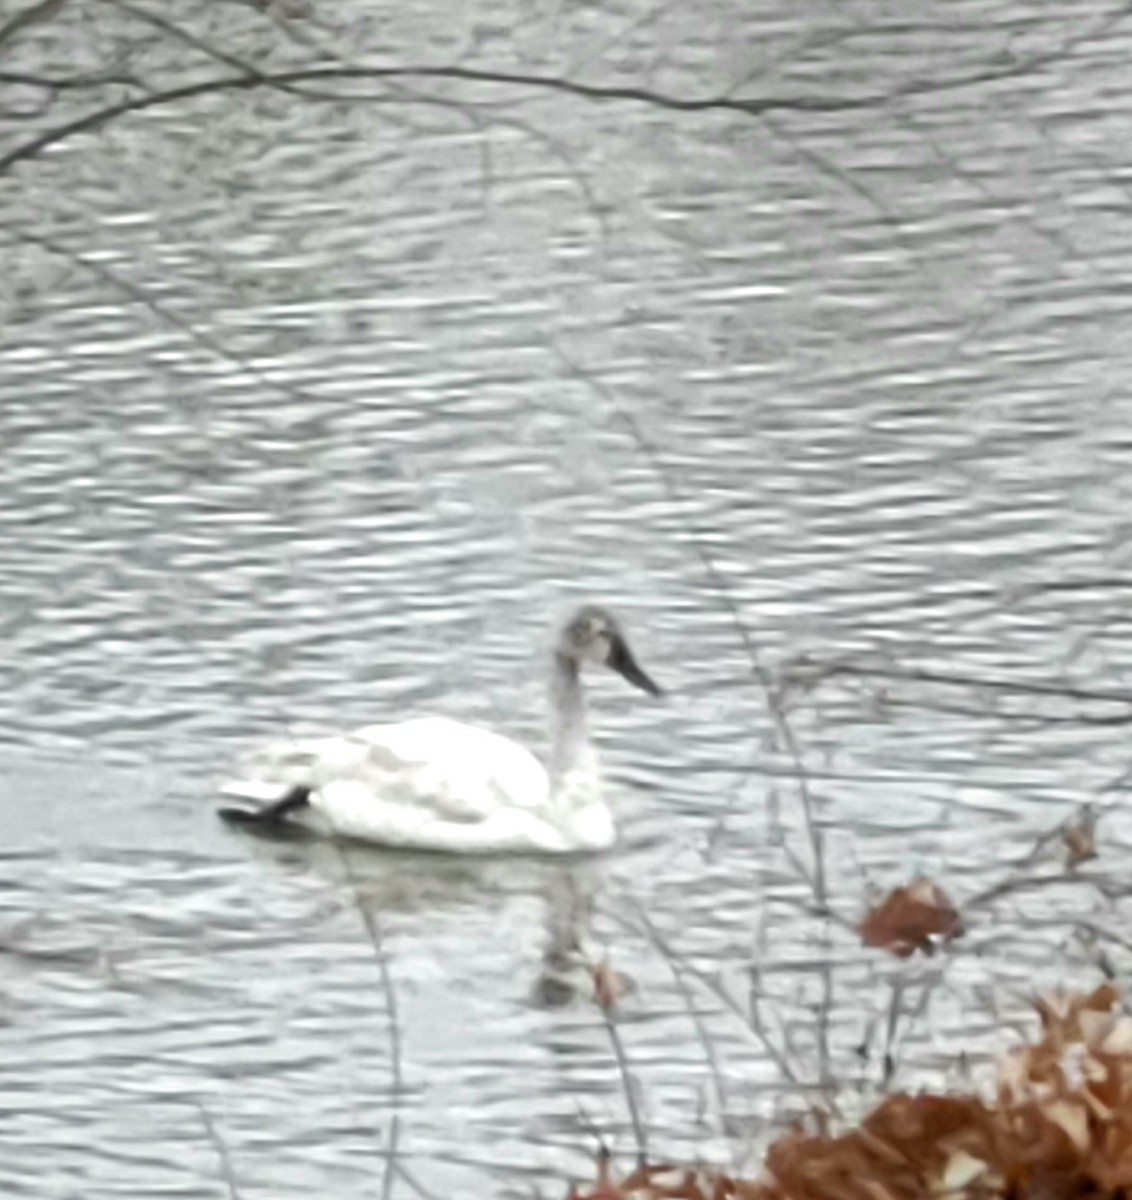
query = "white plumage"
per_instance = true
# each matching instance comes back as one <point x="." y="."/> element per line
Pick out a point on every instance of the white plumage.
<point x="439" y="784"/>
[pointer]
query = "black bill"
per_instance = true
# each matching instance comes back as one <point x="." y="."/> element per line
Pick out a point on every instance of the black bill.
<point x="622" y="661"/>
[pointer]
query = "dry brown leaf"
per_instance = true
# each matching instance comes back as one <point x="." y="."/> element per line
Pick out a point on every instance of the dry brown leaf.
<point x="911" y="918"/>
<point x="1079" y="836"/>
<point x="609" y="985"/>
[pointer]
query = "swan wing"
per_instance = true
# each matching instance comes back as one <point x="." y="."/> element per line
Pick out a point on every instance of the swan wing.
<point x="452" y="771"/>
<point x="434" y="767"/>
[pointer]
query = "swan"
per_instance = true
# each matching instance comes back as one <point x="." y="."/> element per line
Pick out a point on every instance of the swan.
<point x="432" y="783"/>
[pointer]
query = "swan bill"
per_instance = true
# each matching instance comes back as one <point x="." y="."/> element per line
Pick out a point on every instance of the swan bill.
<point x="622" y="661"/>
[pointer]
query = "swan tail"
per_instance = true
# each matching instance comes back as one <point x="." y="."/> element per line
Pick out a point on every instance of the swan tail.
<point x="261" y="791"/>
<point x="273" y="813"/>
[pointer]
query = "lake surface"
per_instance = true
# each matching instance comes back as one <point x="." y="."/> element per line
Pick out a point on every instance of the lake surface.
<point x="316" y="412"/>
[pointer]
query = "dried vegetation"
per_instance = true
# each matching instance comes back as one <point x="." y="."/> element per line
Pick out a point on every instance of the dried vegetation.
<point x="1059" y="1127"/>
<point x="1055" y="1124"/>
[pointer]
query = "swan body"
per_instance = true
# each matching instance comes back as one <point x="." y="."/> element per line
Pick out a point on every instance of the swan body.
<point x="438" y="784"/>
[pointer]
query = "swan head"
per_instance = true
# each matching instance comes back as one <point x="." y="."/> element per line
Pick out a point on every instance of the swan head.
<point x="592" y="635"/>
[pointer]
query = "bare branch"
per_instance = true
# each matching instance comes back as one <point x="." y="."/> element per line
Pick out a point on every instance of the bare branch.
<point x="532" y="81"/>
<point x="227" y="1173"/>
<point x="410" y="1178"/>
<point x="678" y="962"/>
<point x="64" y="83"/>
<point x="393" y="1021"/>
<point x="806" y="671"/>
<point x="162" y="311"/>
<point x="815" y="876"/>
<point x="629" y="1084"/>
<point x="35" y="12"/>
<point x="224" y="57"/>
<point x="889" y="1068"/>
<point x="702" y="1034"/>
<point x="1026" y="883"/>
<point x="183" y="35"/>
<point x="846" y="179"/>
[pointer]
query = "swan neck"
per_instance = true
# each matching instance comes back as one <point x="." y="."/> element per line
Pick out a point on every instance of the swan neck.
<point x="571" y="746"/>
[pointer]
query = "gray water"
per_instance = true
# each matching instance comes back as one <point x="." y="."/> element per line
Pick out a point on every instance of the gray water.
<point x="318" y="412"/>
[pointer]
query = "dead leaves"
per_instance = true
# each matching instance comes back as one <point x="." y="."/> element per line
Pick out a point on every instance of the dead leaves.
<point x="911" y="918"/>
<point x="609" y="986"/>
<point x="667" y="1183"/>
<point x="1059" y="1127"/>
<point x="902" y="1151"/>
<point x="920" y="915"/>
<point x="1074" y="1087"/>
<point x="1079" y="837"/>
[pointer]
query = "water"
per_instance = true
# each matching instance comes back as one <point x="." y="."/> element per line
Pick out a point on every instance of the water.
<point x="315" y="413"/>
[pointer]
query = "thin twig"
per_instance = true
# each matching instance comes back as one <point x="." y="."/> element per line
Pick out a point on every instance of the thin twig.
<point x="708" y="1046"/>
<point x="64" y="83"/>
<point x="1105" y="931"/>
<point x="226" y="1171"/>
<point x="720" y="590"/>
<point x="220" y="55"/>
<point x="533" y="81"/>
<point x="410" y="1178"/>
<point x="190" y="39"/>
<point x="809" y="671"/>
<point x="162" y="311"/>
<point x="889" y="1068"/>
<point x="373" y="932"/>
<point x="1031" y="882"/>
<point x="628" y="1083"/>
<point x="687" y="969"/>
<point x="34" y="12"/>
<point x="825" y="1011"/>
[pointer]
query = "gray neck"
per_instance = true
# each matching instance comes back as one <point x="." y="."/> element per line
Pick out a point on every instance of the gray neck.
<point x="570" y="748"/>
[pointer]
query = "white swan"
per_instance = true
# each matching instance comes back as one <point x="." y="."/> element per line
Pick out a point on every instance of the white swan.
<point x="437" y="784"/>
